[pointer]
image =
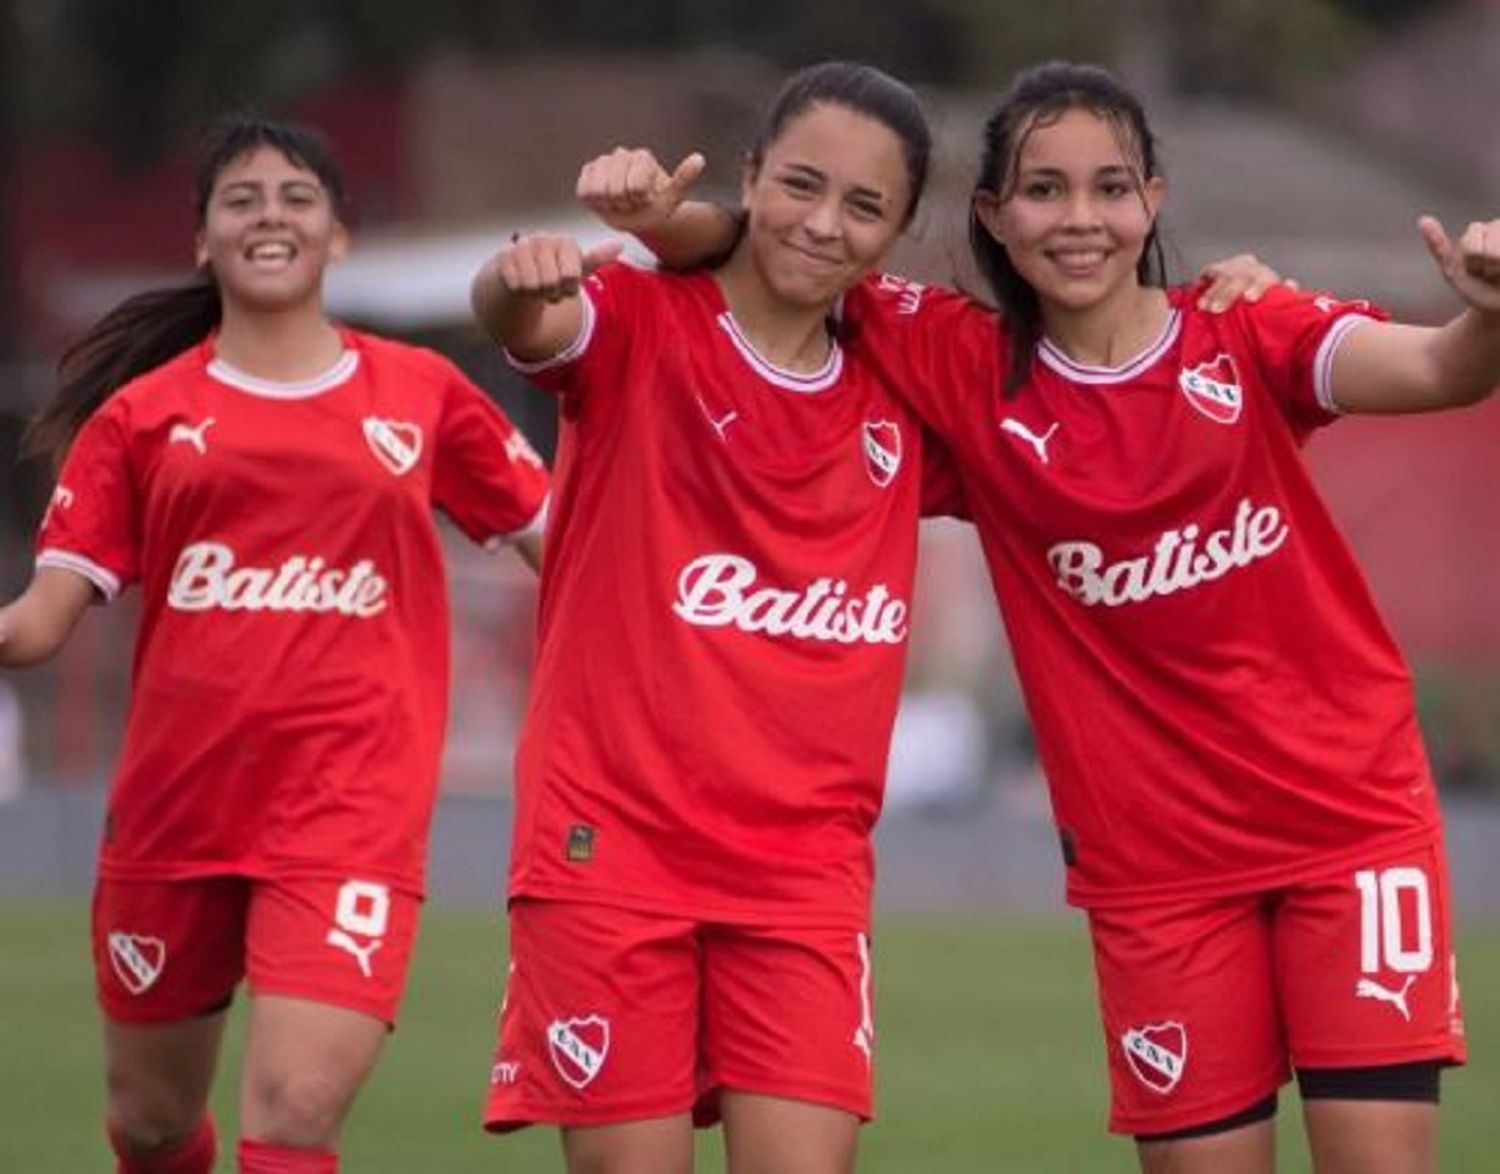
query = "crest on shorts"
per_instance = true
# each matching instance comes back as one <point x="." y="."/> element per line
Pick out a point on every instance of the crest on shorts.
<point x="881" y="440"/>
<point x="578" y="1048"/>
<point x="1214" y="389"/>
<point x="138" y="961"/>
<point x="396" y="444"/>
<point x="1157" y="1054"/>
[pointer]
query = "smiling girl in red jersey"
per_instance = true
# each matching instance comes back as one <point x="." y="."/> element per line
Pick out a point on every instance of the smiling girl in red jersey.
<point x="722" y="629"/>
<point x="1228" y="730"/>
<point x="268" y="478"/>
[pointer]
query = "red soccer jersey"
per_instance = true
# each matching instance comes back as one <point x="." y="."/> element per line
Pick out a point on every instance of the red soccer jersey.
<point x="291" y="670"/>
<point x="723" y="618"/>
<point x="1217" y="704"/>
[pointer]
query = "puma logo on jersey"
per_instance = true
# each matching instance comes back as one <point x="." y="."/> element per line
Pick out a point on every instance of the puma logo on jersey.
<point x="1368" y="988"/>
<point x="341" y="940"/>
<point x="395" y="443"/>
<point x="194" y="436"/>
<point x="137" y="961"/>
<point x="720" y="425"/>
<point x="1039" y="443"/>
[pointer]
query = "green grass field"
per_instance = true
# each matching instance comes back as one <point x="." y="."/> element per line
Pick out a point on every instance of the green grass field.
<point x="989" y="1057"/>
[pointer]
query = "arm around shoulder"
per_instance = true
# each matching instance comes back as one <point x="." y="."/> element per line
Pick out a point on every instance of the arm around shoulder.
<point x="40" y="620"/>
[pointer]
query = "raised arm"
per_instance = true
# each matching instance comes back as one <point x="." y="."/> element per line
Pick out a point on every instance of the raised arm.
<point x="35" y="625"/>
<point x="526" y="295"/>
<point x="1390" y="367"/>
<point x="630" y="191"/>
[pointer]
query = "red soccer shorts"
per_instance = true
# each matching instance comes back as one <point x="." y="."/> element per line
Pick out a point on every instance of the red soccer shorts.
<point x="1208" y="1005"/>
<point x="169" y="950"/>
<point x="615" y="1015"/>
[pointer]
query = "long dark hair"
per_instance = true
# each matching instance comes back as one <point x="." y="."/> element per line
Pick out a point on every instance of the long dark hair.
<point x="147" y="329"/>
<point x="1038" y="97"/>
<point x="857" y="87"/>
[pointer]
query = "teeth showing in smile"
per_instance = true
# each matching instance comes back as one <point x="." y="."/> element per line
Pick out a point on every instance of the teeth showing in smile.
<point x="1086" y="259"/>
<point x="270" y="253"/>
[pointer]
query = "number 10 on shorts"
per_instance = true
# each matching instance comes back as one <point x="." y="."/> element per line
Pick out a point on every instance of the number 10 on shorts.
<point x="1395" y="921"/>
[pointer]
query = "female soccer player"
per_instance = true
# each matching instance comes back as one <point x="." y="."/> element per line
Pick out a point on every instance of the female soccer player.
<point x="1241" y="794"/>
<point x="269" y="479"/>
<point x="722" y="627"/>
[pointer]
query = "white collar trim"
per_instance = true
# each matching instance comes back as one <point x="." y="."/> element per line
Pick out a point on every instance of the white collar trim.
<point x="826" y="376"/>
<point x="1050" y="354"/>
<point x="341" y="372"/>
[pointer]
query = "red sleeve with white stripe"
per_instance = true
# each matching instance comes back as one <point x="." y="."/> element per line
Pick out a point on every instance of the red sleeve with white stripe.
<point x="486" y="476"/>
<point x="591" y="363"/>
<point x="92" y="524"/>
<point x="1294" y="336"/>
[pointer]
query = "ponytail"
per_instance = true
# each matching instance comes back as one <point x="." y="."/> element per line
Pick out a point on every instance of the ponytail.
<point x="142" y="332"/>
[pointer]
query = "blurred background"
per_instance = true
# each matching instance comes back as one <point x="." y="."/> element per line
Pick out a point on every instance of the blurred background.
<point x="1311" y="132"/>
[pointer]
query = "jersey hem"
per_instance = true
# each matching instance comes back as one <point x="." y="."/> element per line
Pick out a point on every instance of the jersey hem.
<point x="799" y="917"/>
<point x="206" y="870"/>
<point x="1270" y="877"/>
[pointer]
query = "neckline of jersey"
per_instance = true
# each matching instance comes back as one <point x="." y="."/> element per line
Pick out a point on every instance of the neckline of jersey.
<point x="341" y="372"/>
<point x="821" y="379"/>
<point x="1052" y="356"/>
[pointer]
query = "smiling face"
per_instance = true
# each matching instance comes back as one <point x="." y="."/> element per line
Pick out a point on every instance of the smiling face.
<point x="269" y="231"/>
<point x="830" y="196"/>
<point x="1075" y="213"/>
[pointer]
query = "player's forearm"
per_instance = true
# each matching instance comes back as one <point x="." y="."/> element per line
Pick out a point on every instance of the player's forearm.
<point x="28" y="635"/>
<point x="38" y="623"/>
<point x="506" y="316"/>
<point x="1465" y="355"/>
<point x="1395" y="368"/>
<point x="696" y="231"/>
<point x="533" y="326"/>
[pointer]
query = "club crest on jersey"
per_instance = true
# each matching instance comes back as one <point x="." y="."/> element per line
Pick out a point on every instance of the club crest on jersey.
<point x="1157" y="1054"/>
<point x="1214" y="389"/>
<point x="396" y="444"/>
<point x="881" y="440"/>
<point x="138" y="961"/>
<point x="578" y="1048"/>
